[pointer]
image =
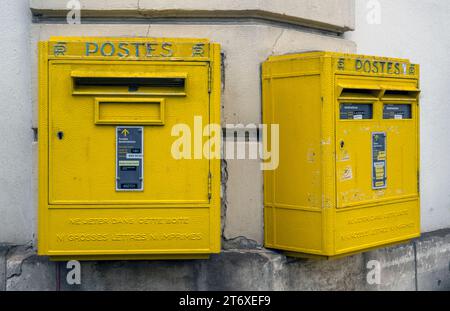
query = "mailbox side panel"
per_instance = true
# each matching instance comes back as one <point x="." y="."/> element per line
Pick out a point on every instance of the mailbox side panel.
<point x="43" y="148"/>
<point x="293" y="191"/>
<point x="215" y="97"/>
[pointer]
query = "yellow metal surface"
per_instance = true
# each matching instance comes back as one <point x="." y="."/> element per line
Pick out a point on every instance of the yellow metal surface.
<point x="338" y="189"/>
<point x="126" y="111"/>
<point x="81" y="215"/>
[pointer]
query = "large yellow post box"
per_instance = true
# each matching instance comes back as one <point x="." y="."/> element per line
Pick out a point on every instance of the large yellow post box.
<point x="348" y="177"/>
<point x="110" y="186"/>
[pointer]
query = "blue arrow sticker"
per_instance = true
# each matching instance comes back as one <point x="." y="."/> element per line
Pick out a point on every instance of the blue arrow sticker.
<point x="129" y="158"/>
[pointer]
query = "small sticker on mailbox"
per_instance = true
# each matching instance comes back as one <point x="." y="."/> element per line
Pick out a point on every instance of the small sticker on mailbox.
<point x="129" y="158"/>
<point x="356" y="111"/>
<point x="379" y="161"/>
<point x="397" y="111"/>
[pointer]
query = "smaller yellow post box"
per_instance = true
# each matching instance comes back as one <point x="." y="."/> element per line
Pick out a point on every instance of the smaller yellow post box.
<point x="110" y="185"/>
<point x="348" y="178"/>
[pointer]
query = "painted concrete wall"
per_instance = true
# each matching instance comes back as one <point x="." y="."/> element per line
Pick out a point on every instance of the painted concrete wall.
<point x="17" y="204"/>
<point x="336" y="15"/>
<point x="416" y="29"/>
<point x="241" y="101"/>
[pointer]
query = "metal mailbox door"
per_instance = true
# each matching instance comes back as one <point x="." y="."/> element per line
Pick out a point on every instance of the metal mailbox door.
<point x="90" y="101"/>
<point x="376" y="147"/>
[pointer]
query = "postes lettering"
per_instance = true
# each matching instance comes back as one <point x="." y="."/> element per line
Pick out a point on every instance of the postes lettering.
<point x="383" y="67"/>
<point x="377" y="66"/>
<point x="138" y="49"/>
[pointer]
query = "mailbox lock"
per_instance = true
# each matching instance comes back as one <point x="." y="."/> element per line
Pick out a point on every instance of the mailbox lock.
<point x="60" y="135"/>
<point x="342" y="144"/>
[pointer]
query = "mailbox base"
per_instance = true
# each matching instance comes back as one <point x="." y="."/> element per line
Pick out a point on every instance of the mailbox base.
<point x="339" y="256"/>
<point x="131" y="257"/>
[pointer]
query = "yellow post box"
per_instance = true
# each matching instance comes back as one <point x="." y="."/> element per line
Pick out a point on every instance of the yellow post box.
<point x="348" y="178"/>
<point x="110" y="186"/>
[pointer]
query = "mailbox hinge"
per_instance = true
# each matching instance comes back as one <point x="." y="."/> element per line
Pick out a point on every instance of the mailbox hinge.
<point x="209" y="78"/>
<point x="209" y="186"/>
<point x="418" y="182"/>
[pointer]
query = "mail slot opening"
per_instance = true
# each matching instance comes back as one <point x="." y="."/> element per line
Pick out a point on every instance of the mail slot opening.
<point x="410" y="94"/>
<point x="359" y="93"/>
<point x="133" y="82"/>
<point x="99" y="84"/>
<point x="397" y="111"/>
<point x="356" y="111"/>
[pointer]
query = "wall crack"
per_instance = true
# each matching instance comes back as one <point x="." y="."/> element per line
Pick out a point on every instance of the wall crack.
<point x="223" y="199"/>
<point x="276" y="41"/>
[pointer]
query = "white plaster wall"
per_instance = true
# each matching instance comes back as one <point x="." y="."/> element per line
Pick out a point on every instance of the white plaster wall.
<point x="417" y="29"/>
<point x="17" y="209"/>
<point x="335" y="13"/>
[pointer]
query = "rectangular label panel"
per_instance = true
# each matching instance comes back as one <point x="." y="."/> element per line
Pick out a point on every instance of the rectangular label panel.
<point x="128" y="230"/>
<point x="397" y="111"/>
<point x="129" y="111"/>
<point x="356" y="111"/>
<point x="379" y="158"/>
<point x="375" y="66"/>
<point x="129" y="48"/>
<point x="129" y="157"/>
<point x="364" y="227"/>
<point x="297" y="229"/>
